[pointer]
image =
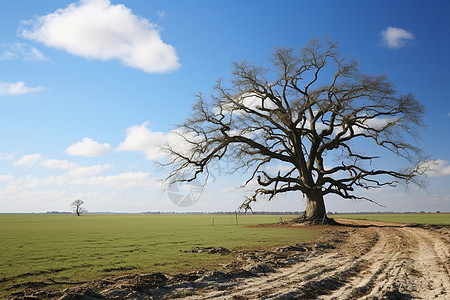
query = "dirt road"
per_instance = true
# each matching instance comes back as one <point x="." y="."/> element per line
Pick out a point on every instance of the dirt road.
<point x="387" y="261"/>
<point x="365" y="260"/>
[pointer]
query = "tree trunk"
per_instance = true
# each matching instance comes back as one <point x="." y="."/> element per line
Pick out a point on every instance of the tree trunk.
<point x="315" y="212"/>
<point x="315" y="207"/>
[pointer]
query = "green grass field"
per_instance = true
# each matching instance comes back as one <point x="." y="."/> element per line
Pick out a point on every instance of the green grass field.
<point x="432" y="219"/>
<point x="36" y="247"/>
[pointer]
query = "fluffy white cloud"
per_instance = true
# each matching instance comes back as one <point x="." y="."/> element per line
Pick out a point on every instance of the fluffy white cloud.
<point x="249" y="100"/>
<point x="436" y="168"/>
<point x="31" y="182"/>
<point x="89" y="171"/>
<point x="88" y="148"/>
<point x="17" y="88"/>
<point x="58" y="164"/>
<point x="11" y="51"/>
<point x="28" y="160"/>
<point x="376" y="124"/>
<point x="182" y="141"/>
<point x="141" y="139"/>
<point x="123" y="180"/>
<point x="73" y="169"/>
<point x="100" y="30"/>
<point x="395" y="37"/>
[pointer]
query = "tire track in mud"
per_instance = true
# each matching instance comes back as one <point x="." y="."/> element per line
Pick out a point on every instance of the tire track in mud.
<point x="382" y="260"/>
<point x="417" y="267"/>
<point x="388" y="257"/>
<point x="316" y="276"/>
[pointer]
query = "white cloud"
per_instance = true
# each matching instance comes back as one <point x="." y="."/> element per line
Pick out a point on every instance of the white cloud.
<point x="73" y="169"/>
<point x="100" y="30"/>
<point x="58" y="164"/>
<point x="31" y="182"/>
<point x="248" y="100"/>
<point x="17" y="88"/>
<point x="282" y="167"/>
<point x="161" y="14"/>
<point x="7" y="156"/>
<point x="11" y="51"/>
<point x="28" y="160"/>
<point x="6" y="178"/>
<point x="89" y="171"/>
<point x="182" y="141"/>
<point x="436" y="168"/>
<point x="376" y="124"/>
<point x="395" y="37"/>
<point x="88" y="148"/>
<point x="141" y="139"/>
<point x="124" y="180"/>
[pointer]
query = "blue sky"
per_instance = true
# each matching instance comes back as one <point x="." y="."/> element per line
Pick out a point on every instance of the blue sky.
<point x="89" y="89"/>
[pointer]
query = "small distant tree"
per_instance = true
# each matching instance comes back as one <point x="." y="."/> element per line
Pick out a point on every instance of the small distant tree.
<point x="77" y="208"/>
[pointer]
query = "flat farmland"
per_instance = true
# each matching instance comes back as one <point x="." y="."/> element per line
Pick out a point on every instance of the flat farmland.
<point x="409" y="218"/>
<point x="143" y="257"/>
<point x="38" y="247"/>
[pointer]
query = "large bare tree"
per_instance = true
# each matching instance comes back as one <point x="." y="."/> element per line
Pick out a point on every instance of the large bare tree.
<point x="306" y="106"/>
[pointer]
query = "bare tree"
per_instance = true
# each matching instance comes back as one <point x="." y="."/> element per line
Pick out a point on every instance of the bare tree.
<point x="307" y="106"/>
<point x="77" y="208"/>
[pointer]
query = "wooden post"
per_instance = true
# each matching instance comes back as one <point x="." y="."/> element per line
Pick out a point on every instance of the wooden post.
<point x="213" y="222"/>
<point x="236" y="217"/>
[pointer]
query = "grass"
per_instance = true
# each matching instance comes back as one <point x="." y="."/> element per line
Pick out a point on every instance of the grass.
<point x="431" y="218"/>
<point x="36" y="247"/>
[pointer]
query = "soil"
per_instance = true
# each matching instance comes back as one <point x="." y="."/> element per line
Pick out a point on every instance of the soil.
<point x="360" y="260"/>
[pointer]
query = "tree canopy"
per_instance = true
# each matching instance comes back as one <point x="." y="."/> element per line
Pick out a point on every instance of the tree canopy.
<point x="77" y="207"/>
<point x="304" y="106"/>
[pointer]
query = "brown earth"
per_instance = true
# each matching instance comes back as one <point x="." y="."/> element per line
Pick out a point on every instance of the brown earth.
<point x="362" y="260"/>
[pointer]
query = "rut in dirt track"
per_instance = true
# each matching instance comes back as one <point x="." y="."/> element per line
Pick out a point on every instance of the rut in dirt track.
<point x="384" y="261"/>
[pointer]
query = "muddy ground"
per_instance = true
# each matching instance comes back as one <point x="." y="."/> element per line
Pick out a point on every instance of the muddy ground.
<point x="363" y="260"/>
